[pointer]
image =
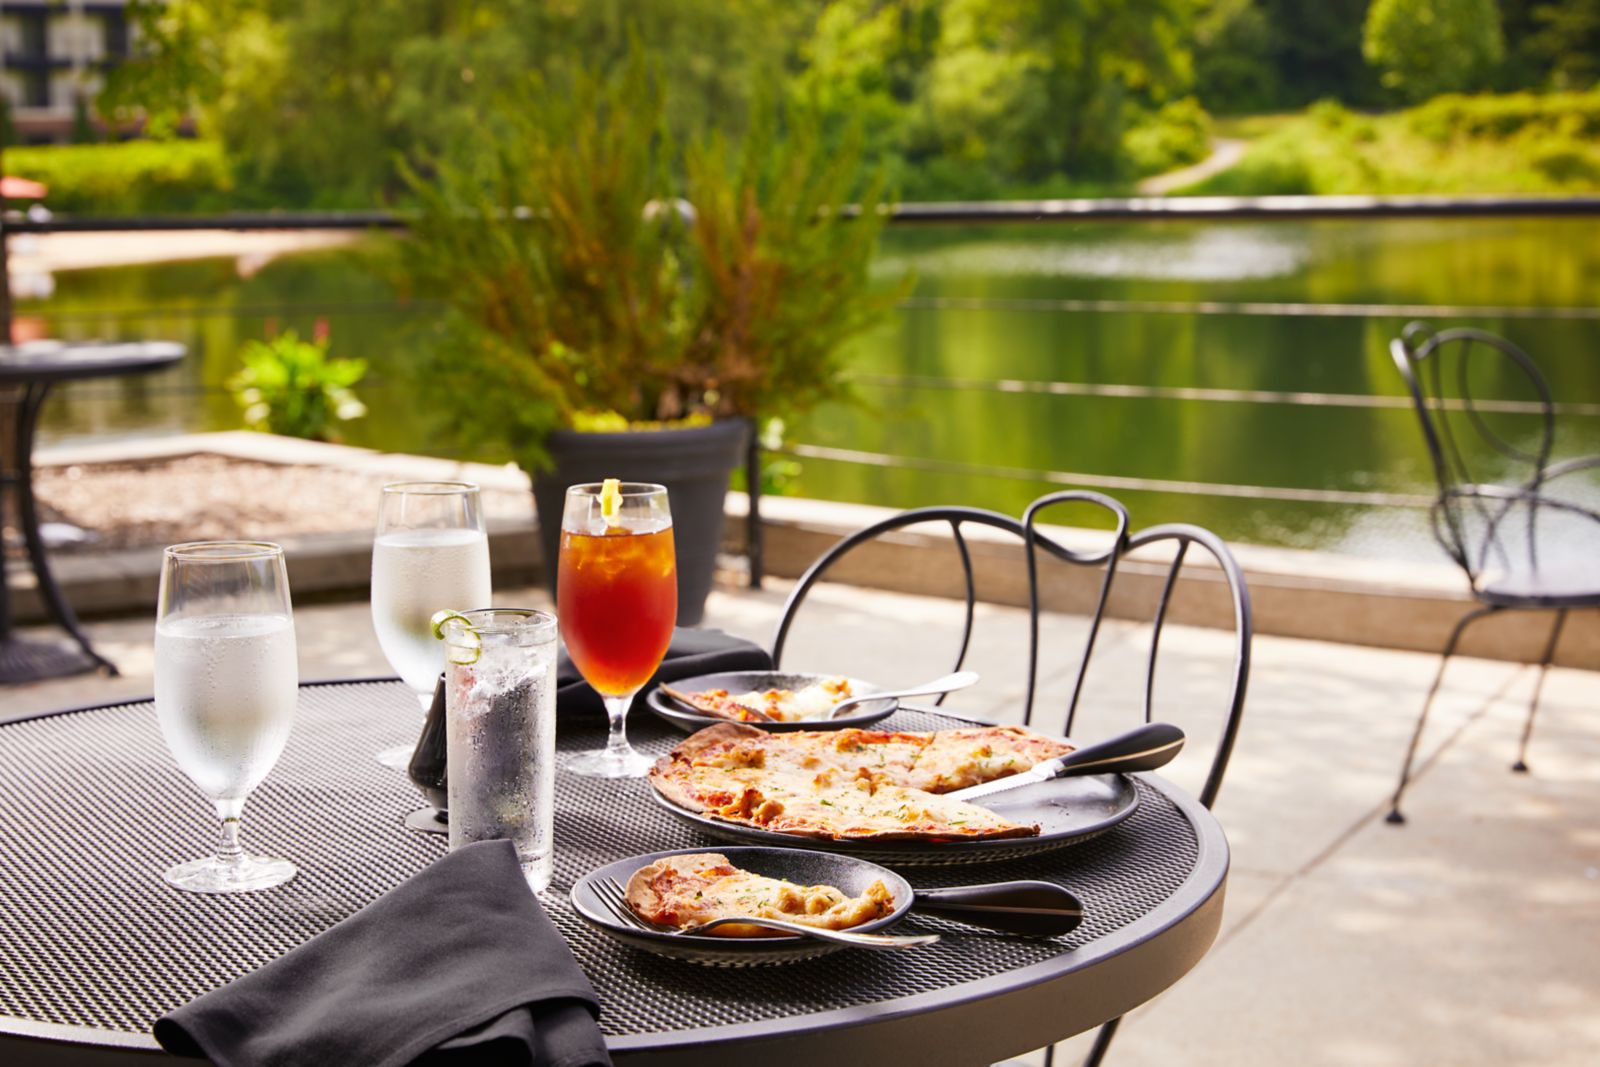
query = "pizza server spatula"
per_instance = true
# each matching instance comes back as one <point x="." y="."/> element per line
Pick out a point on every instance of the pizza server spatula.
<point x="1142" y="749"/>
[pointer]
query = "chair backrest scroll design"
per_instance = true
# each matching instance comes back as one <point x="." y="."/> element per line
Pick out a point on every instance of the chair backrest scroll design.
<point x="1459" y="503"/>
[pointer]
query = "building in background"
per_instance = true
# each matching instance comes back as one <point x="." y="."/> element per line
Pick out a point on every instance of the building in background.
<point x="54" y="55"/>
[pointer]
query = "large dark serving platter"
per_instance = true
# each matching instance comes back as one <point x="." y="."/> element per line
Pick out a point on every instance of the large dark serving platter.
<point x="1067" y="810"/>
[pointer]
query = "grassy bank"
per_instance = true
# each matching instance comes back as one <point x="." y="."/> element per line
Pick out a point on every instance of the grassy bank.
<point x="130" y="178"/>
<point x="1511" y="143"/>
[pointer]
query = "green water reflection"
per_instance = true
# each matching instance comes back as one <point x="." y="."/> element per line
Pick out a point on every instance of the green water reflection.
<point x="1525" y="263"/>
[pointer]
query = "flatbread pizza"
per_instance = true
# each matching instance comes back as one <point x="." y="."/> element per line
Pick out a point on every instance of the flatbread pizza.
<point x="851" y="785"/>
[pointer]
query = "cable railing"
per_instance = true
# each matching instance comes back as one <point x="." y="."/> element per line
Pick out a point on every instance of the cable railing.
<point x="1219" y="209"/>
<point x="1371" y="401"/>
<point x="1269" y="309"/>
<point x="1084" y="480"/>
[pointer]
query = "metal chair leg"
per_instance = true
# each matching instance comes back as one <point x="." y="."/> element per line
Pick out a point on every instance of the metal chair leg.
<point x="1521" y="766"/>
<point x="1394" y="815"/>
<point x="1102" y="1043"/>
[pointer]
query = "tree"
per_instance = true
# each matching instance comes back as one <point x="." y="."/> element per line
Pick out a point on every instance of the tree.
<point x="1233" y="52"/>
<point x="317" y="100"/>
<point x="982" y="97"/>
<point x="1039" y="88"/>
<point x="1318" y="51"/>
<point x="1427" y="47"/>
<point x="1568" y="40"/>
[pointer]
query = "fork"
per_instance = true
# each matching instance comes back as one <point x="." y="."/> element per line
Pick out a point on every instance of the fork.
<point x="610" y="893"/>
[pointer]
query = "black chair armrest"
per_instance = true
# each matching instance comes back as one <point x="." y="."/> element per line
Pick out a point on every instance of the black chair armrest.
<point x="1570" y="466"/>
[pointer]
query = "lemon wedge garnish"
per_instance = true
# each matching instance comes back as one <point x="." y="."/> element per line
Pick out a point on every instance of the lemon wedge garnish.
<point x="611" y="502"/>
<point x="467" y="647"/>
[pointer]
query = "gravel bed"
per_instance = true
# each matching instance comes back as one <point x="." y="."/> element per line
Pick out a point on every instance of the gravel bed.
<point x="211" y="497"/>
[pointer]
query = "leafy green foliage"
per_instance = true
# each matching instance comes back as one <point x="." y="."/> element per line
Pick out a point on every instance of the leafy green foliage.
<point x="1565" y="38"/>
<point x="130" y="178"/>
<point x="780" y="271"/>
<point x="1514" y="143"/>
<point x="1552" y="44"/>
<point x="289" y="386"/>
<point x="1233" y="57"/>
<point x="583" y="287"/>
<point x="317" y="99"/>
<point x="780" y="474"/>
<point x="1259" y="55"/>
<point x="979" y="97"/>
<point x="1428" y="47"/>
<point x="1175" y="136"/>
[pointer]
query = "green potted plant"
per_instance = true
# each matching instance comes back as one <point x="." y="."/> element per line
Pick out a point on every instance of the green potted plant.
<point x="625" y="306"/>
<point x="291" y="387"/>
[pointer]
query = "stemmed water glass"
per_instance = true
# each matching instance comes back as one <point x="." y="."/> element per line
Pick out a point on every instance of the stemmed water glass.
<point x="226" y="682"/>
<point x="617" y="599"/>
<point x="431" y="553"/>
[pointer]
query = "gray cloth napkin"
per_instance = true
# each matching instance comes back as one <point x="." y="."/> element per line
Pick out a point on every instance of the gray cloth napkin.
<point x="458" y="965"/>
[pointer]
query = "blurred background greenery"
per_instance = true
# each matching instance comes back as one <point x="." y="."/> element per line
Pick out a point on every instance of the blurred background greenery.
<point x="315" y="103"/>
<point x="1200" y="357"/>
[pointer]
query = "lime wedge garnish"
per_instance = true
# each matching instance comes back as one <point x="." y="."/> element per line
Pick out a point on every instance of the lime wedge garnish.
<point x="611" y="501"/>
<point x="442" y="617"/>
<point x="466" y="648"/>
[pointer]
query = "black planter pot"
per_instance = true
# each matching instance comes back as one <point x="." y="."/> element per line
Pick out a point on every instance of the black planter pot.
<point x="693" y="464"/>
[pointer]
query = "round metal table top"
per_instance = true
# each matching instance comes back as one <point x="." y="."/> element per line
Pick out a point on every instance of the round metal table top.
<point x="94" y="946"/>
<point x="59" y="361"/>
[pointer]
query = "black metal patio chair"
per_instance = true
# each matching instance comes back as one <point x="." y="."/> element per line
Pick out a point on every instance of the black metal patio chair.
<point x="1498" y="532"/>
<point x="1037" y="546"/>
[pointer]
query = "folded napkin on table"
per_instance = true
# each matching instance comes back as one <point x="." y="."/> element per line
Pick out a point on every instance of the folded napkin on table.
<point x="458" y="965"/>
<point x="692" y="652"/>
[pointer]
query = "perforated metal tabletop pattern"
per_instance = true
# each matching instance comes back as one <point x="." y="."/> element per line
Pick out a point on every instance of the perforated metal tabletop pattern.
<point x="92" y="809"/>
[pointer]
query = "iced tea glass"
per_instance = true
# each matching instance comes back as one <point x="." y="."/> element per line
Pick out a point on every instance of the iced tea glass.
<point x="617" y="599"/>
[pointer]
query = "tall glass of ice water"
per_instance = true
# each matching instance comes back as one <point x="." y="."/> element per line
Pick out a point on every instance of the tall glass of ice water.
<point x="500" y="728"/>
<point x="226" y="681"/>
<point x="431" y="553"/>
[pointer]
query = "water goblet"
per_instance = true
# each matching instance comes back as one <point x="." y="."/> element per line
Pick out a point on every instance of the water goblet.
<point x="225" y="685"/>
<point x="431" y="552"/>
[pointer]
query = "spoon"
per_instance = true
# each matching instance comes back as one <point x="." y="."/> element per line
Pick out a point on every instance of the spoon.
<point x="948" y="684"/>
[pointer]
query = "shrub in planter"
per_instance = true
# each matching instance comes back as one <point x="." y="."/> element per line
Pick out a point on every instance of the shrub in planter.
<point x="600" y="273"/>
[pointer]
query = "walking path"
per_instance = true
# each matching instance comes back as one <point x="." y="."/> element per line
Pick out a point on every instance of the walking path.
<point x="1464" y="938"/>
<point x="51" y="252"/>
<point x="1225" y="152"/>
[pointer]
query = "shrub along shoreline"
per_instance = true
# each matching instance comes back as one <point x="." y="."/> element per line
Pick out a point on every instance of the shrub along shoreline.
<point x="1526" y="143"/>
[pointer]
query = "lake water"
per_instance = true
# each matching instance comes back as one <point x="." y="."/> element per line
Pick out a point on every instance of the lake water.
<point x="1077" y="350"/>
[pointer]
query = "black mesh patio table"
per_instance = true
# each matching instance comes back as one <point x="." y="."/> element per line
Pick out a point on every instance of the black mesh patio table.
<point x="27" y="374"/>
<point x="94" y="946"/>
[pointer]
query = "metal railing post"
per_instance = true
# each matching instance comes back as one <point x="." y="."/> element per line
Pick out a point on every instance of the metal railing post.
<point x="752" y="519"/>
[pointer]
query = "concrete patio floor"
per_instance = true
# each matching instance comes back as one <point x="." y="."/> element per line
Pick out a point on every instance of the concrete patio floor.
<point x="1470" y="936"/>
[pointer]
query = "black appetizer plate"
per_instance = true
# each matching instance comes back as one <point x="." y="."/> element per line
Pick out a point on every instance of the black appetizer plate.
<point x="847" y="873"/>
<point x="747" y="681"/>
<point x="1067" y="810"/>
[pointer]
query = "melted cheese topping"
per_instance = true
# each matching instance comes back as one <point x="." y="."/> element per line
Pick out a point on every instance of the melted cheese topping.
<point x="685" y="891"/>
<point x="778" y="705"/>
<point x="859" y="783"/>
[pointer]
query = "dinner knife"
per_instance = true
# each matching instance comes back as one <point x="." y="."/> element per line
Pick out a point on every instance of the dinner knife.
<point x="1142" y="749"/>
